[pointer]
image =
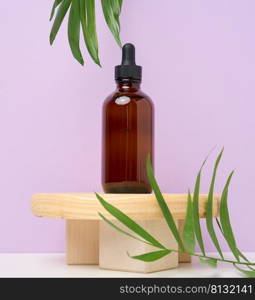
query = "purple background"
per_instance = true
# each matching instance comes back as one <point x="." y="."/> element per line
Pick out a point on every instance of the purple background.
<point x="199" y="62"/>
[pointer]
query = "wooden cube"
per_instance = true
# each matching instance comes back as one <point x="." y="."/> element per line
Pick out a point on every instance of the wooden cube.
<point x="114" y="245"/>
<point x="82" y="242"/>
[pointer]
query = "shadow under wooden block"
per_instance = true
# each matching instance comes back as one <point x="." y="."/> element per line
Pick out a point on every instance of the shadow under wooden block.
<point x="82" y="242"/>
<point x="114" y="245"/>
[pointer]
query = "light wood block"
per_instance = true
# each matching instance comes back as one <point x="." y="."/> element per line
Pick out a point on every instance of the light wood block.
<point x="82" y="229"/>
<point x="137" y="206"/>
<point x="82" y="242"/>
<point x="114" y="245"/>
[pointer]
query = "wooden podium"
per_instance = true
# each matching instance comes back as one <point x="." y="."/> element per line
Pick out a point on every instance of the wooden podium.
<point x="89" y="240"/>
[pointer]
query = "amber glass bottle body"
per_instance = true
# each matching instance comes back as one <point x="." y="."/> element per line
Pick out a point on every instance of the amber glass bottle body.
<point x="128" y="138"/>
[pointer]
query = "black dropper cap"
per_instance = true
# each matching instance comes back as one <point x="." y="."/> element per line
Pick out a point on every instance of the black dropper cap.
<point x="128" y="70"/>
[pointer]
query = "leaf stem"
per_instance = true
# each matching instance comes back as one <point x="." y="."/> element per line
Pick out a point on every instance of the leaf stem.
<point x="218" y="259"/>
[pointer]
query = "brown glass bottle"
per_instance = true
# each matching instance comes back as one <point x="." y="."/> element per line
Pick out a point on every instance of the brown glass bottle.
<point x="128" y="129"/>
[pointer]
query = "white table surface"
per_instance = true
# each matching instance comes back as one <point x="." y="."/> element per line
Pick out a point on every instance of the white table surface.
<point x="53" y="265"/>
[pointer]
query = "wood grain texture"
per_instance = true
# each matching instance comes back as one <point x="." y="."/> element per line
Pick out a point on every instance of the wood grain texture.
<point x="82" y="238"/>
<point x="138" y="206"/>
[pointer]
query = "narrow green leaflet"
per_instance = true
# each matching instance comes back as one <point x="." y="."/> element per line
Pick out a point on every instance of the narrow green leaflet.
<point x="121" y="230"/>
<point x="74" y="31"/>
<point x="225" y="220"/>
<point x="212" y="262"/>
<point x="247" y="273"/>
<point x="63" y="8"/>
<point x="218" y="223"/>
<point x="239" y="252"/>
<point x="116" y="5"/>
<point x="209" y="207"/>
<point x="163" y="206"/>
<point x="152" y="256"/>
<point x="245" y="259"/>
<point x="88" y="23"/>
<point x="120" y="5"/>
<point x="55" y="5"/>
<point x="132" y="225"/>
<point x="112" y="17"/>
<point x="197" y="227"/>
<point x="242" y="255"/>
<point x="188" y="230"/>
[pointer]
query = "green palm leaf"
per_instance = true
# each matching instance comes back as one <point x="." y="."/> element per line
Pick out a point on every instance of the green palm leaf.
<point x="197" y="227"/>
<point x="132" y="225"/>
<point x="62" y="10"/>
<point x="163" y="206"/>
<point x="116" y="5"/>
<point x="74" y="31"/>
<point x="189" y="236"/>
<point x="88" y="22"/>
<point x="55" y="5"/>
<point x="225" y="220"/>
<point x="188" y="230"/>
<point x="209" y="207"/>
<point x="152" y="256"/>
<point x="111" y="10"/>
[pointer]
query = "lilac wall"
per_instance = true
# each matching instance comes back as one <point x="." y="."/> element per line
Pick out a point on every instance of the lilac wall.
<point x="199" y="62"/>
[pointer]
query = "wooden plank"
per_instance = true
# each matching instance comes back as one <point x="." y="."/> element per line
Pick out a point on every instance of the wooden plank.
<point x="138" y="206"/>
<point x="82" y="242"/>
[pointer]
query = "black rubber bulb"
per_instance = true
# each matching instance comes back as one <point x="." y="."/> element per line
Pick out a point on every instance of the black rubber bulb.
<point x="128" y="70"/>
<point x="128" y="54"/>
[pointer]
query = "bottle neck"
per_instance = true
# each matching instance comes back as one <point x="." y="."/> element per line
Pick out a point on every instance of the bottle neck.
<point x="128" y="86"/>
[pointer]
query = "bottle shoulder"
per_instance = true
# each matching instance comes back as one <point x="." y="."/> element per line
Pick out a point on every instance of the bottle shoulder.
<point x="135" y="96"/>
